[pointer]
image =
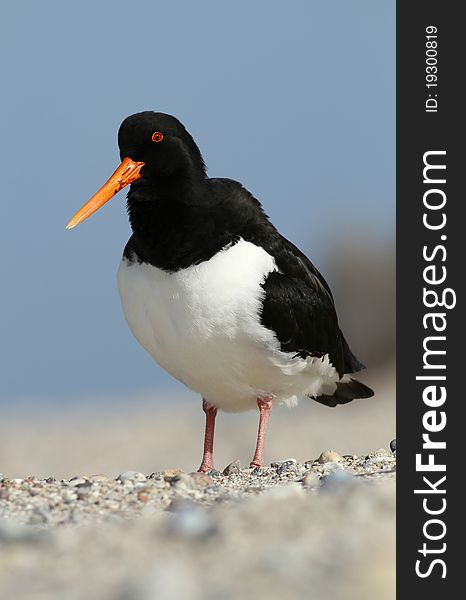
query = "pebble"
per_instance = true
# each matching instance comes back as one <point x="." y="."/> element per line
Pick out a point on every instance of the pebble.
<point x="287" y="466"/>
<point x="392" y="448"/>
<point x="132" y="476"/>
<point x="233" y="468"/>
<point x="170" y="473"/>
<point x="329" y="456"/>
<point x="143" y="496"/>
<point x="74" y="481"/>
<point x="99" y="478"/>
<point x="288" y="462"/>
<point x="84" y="485"/>
<point x="214" y="473"/>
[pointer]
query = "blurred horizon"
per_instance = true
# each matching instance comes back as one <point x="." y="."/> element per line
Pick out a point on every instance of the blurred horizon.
<point x="296" y="102"/>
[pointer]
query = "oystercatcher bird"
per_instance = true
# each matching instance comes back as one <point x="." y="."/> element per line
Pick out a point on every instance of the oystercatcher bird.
<point x="211" y="289"/>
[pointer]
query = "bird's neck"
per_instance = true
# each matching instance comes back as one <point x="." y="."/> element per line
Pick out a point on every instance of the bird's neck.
<point x="171" y="222"/>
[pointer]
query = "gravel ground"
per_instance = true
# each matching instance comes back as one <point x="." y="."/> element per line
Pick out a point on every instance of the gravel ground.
<point x="324" y="530"/>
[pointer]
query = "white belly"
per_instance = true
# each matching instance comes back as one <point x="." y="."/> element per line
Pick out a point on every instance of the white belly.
<point x="202" y="325"/>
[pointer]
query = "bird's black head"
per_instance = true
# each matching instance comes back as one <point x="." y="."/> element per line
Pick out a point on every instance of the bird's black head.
<point x="155" y="149"/>
<point x="161" y="142"/>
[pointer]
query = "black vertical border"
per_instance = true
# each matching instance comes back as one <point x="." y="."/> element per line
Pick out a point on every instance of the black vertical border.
<point x="418" y="132"/>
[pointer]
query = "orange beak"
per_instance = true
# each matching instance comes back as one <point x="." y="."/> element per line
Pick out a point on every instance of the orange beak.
<point x="127" y="172"/>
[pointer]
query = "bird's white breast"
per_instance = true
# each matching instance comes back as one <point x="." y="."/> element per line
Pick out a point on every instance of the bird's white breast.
<point x="202" y="324"/>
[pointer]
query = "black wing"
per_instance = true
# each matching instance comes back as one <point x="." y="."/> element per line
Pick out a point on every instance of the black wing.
<point x="298" y="304"/>
<point x="299" y="308"/>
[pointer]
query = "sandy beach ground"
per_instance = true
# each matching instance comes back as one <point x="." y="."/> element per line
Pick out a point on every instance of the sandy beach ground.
<point x="97" y="502"/>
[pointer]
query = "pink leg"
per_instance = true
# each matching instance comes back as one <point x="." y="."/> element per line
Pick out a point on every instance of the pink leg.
<point x="265" y="406"/>
<point x="207" y="458"/>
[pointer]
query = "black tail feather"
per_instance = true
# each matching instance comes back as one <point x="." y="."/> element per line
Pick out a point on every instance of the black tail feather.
<point x="348" y="389"/>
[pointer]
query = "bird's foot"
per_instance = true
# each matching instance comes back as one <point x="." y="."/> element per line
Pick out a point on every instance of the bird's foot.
<point x="205" y="467"/>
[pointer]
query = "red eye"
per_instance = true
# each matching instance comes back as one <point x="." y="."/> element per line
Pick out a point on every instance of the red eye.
<point x="157" y="136"/>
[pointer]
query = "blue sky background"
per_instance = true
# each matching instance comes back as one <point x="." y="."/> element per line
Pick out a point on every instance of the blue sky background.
<point x="296" y="100"/>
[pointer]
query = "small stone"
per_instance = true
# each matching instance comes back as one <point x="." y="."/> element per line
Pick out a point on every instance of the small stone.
<point x="170" y="474"/>
<point x="99" y="478"/>
<point x="233" y="468"/>
<point x="288" y="461"/>
<point x="287" y="465"/>
<point x="85" y="484"/>
<point x="2" y="477"/>
<point x="132" y="476"/>
<point x="143" y="497"/>
<point x="392" y="448"/>
<point x="74" y="481"/>
<point x="214" y="473"/>
<point x="329" y="456"/>
<point x="256" y="471"/>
